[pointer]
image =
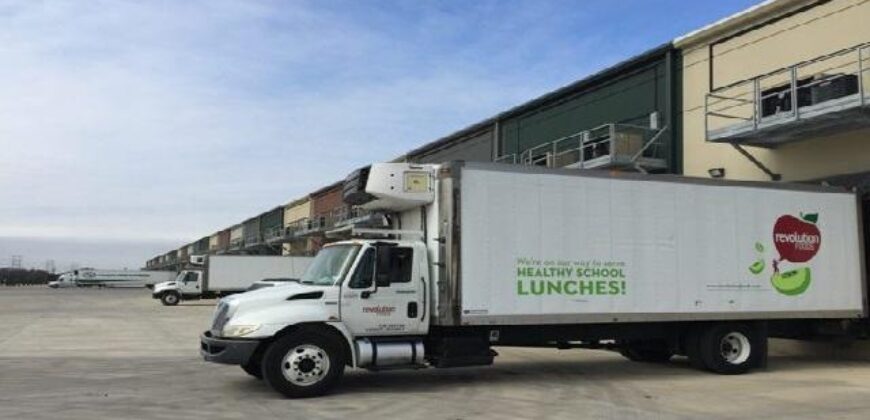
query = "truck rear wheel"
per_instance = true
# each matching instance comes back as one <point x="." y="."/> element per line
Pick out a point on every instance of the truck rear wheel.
<point x="303" y="365"/>
<point x="729" y="349"/>
<point x="170" y="298"/>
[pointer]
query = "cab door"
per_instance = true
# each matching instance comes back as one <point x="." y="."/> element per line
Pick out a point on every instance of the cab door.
<point x="382" y="296"/>
<point x="190" y="283"/>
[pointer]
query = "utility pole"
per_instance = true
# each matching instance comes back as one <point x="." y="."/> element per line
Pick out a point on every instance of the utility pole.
<point x="16" y="261"/>
<point x="50" y="266"/>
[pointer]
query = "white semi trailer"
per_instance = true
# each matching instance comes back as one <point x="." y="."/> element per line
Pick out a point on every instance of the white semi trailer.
<point x="220" y="275"/>
<point x="89" y="277"/>
<point x="481" y="255"/>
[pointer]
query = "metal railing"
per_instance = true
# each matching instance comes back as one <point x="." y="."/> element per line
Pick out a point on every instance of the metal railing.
<point x="351" y="216"/>
<point x="605" y="146"/>
<point x="251" y="240"/>
<point x="292" y="228"/>
<point x="825" y="84"/>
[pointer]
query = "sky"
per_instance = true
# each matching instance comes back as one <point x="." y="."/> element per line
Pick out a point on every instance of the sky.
<point x="128" y="128"/>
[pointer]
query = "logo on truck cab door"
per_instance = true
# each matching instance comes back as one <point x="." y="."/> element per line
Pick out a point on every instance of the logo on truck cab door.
<point x="380" y="310"/>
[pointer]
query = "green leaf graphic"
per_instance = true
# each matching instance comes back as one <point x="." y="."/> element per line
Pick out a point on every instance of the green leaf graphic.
<point x="810" y="217"/>
<point x="757" y="267"/>
<point x="759" y="247"/>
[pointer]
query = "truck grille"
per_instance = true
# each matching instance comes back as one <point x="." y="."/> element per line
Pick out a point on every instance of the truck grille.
<point x="220" y="318"/>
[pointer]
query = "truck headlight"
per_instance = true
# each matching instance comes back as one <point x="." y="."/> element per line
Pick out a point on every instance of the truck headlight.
<point x="239" y="330"/>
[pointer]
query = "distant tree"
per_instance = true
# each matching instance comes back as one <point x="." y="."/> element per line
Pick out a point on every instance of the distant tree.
<point x="23" y="277"/>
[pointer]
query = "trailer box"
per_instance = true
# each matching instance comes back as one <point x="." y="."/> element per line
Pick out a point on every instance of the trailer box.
<point x="236" y="273"/>
<point x="539" y="246"/>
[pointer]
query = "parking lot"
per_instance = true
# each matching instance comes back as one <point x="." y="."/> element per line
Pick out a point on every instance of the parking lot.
<point x="110" y="353"/>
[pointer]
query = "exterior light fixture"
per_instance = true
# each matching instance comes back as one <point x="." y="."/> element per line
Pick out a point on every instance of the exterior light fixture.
<point x="716" y="172"/>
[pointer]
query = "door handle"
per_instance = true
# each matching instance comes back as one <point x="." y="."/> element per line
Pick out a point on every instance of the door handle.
<point x="412" y="309"/>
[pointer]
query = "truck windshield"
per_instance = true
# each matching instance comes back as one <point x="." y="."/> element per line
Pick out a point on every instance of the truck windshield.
<point x="329" y="265"/>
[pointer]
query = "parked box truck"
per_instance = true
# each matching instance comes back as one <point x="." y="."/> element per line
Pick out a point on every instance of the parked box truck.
<point x="480" y="255"/>
<point x="220" y="275"/>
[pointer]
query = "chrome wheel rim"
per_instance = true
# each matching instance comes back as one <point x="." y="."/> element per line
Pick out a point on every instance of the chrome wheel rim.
<point x="171" y="298"/>
<point x="305" y="365"/>
<point x="735" y="348"/>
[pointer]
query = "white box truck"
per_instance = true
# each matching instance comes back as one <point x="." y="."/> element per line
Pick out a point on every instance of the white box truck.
<point x="480" y="255"/>
<point x="221" y="275"/>
<point x="89" y="277"/>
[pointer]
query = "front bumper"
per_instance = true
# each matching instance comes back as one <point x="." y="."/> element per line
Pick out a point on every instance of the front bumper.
<point x="227" y="351"/>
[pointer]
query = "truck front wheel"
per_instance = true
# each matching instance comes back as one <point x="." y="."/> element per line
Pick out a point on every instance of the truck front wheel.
<point x="305" y="364"/>
<point x="170" y="299"/>
<point x="730" y="349"/>
<point x="254" y="369"/>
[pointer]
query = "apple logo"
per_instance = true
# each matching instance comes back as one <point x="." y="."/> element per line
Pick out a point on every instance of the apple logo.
<point x="797" y="240"/>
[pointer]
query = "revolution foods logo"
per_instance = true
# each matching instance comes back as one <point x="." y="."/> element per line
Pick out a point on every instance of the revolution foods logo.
<point x="379" y="310"/>
<point x="797" y="240"/>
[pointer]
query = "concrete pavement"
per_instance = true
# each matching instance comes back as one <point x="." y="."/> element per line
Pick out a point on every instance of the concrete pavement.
<point x="109" y="353"/>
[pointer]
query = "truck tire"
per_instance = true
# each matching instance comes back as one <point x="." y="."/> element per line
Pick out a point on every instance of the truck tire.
<point x="170" y="299"/>
<point x="303" y="364"/>
<point x="254" y="369"/>
<point x="729" y="349"/>
<point x="647" y="355"/>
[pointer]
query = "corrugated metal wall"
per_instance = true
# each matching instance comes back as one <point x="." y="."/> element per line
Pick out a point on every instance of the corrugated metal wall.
<point x="297" y="210"/>
<point x="630" y="98"/>
<point x="477" y="148"/>
<point x="201" y="246"/>
<point x="326" y="201"/>
<point x="223" y="239"/>
<point x="252" y="230"/>
<point x="237" y="232"/>
<point x="272" y="223"/>
<point x="629" y="95"/>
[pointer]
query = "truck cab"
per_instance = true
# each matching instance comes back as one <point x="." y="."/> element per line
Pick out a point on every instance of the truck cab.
<point x="361" y="303"/>
<point x="64" y="280"/>
<point x="186" y="284"/>
<point x="366" y="301"/>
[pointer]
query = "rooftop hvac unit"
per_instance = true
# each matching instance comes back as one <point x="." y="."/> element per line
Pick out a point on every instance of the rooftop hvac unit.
<point x="834" y="87"/>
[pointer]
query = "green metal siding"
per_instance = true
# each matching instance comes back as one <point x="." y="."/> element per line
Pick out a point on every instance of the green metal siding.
<point x="252" y="231"/>
<point x="271" y="220"/>
<point x="629" y="99"/>
<point x="201" y="246"/>
<point x="476" y="148"/>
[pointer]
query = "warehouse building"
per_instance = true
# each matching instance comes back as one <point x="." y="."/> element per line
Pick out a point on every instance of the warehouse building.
<point x="776" y="92"/>
<point x="621" y="118"/>
<point x="780" y="91"/>
<point x="297" y="220"/>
